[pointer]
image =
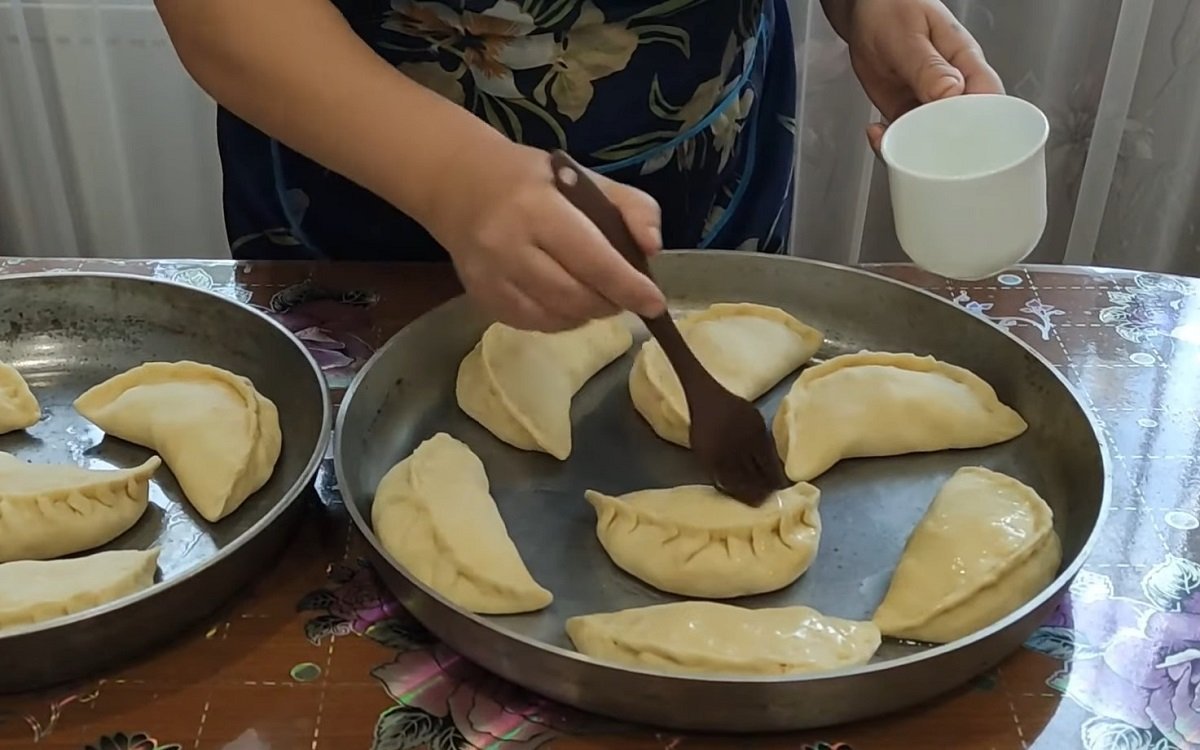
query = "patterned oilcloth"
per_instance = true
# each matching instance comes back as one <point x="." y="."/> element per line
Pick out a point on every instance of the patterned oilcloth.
<point x="690" y="100"/>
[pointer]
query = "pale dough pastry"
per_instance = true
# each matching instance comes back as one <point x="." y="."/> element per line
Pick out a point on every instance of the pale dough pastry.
<point x="34" y="591"/>
<point x="53" y="510"/>
<point x="217" y="434"/>
<point x="884" y="404"/>
<point x="695" y="541"/>
<point x="18" y="407"/>
<point x="712" y="638"/>
<point x="748" y="348"/>
<point x="519" y="384"/>
<point x="985" y="547"/>
<point x="433" y="514"/>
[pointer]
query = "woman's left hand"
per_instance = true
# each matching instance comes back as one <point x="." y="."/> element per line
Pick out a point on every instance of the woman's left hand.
<point x="909" y="52"/>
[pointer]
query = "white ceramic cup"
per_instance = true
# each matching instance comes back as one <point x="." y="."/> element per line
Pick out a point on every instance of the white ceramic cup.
<point x="968" y="183"/>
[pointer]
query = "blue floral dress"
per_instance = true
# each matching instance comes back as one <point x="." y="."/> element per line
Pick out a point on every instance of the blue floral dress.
<point x="692" y="101"/>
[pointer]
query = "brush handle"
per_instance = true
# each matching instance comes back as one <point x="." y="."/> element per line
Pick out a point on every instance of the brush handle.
<point x="583" y="193"/>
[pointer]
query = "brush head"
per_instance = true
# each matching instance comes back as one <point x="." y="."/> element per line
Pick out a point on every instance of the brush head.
<point x="731" y="439"/>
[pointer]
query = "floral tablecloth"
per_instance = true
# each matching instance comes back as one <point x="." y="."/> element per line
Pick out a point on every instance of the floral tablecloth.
<point x="317" y="656"/>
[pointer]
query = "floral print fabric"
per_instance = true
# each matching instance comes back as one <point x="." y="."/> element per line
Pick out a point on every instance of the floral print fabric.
<point x="690" y="100"/>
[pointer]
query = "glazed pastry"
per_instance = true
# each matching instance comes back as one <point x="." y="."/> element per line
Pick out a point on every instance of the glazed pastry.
<point x="34" y="591"/>
<point x="519" y="384"/>
<point x="748" y="348"/>
<point x="18" y="408"/>
<point x="695" y="541"/>
<point x="48" y="511"/>
<point x="985" y="547"/>
<point x="217" y="434"/>
<point x="712" y="638"/>
<point x="434" y="515"/>
<point x="883" y="404"/>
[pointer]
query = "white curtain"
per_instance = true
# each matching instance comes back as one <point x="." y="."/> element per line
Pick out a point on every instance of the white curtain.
<point x="107" y="149"/>
<point x="1120" y="82"/>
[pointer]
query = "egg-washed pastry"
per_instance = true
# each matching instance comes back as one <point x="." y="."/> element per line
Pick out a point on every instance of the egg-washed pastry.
<point x="985" y="547"/>
<point x="519" y="384"/>
<point x="883" y="404"/>
<point x="33" y="591"/>
<point x="434" y="515"/>
<point x="217" y="434"/>
<point x="695" y="541"/>
<point x="51" y="510"/>
<point x="748" y="348"/>
<point x="713" y="638"/>
<point x="18" y="407"/>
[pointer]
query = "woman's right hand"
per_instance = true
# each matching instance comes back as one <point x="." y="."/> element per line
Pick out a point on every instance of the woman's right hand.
<point x="525" y="253"/>
<point x="521" y="249"/>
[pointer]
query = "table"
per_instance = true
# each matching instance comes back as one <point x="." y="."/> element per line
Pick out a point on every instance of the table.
<point x="316" y="655"/>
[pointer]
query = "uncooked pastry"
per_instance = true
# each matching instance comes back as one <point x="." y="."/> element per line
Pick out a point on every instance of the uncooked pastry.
<point x="985" y="547"/>
<point x="748" y="348"/>
<point x="695" y="541"/>
<point x="434" y="515"/>
<point x="52" y="510"/>
<point x="884" y="404"/>
<point x="18" y="407"/>
<point x="713" y="638"/>
<point x="34" y="591"/>
<point x="519" y="384"/>
<point x="217" y="434"/>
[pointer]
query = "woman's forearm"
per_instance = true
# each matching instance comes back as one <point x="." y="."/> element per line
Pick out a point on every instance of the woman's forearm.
<point x="296" y="70"/>
<point x="839" y="13"/>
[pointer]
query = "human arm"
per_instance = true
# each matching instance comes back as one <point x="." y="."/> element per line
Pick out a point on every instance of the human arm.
<point x="839" y="13"/>
<point x="297" y="71"/>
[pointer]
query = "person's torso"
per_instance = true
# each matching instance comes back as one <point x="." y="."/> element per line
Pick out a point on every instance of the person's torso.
<point x="675" y="97"/>
<point x="610" y="79"/>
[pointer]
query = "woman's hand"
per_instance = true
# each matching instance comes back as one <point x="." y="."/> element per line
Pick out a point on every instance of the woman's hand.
<point x="910" y="52"/>
<point x="521" y="249"/>
<point x="525" y="253"/>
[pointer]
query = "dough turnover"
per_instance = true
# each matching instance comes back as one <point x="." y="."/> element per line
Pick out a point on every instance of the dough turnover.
<point x="748" y="348"/>
<point x="707" y="637"/>
<point x="218" y="435"/>
<point x="18" y="408"/>
<point x="48" y="511"/>
<point x="985" y="547"/>
<point x="519" y="384"/>
<point x="38" y="590"/>
<point x="433" y="514"/>
<point x="883" y="404"/>
<point x="695" y="541"/>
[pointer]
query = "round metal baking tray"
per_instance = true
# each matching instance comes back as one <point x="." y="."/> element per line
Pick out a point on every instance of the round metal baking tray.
<point x="66" y="332"/>
<point x="868" y="507"/>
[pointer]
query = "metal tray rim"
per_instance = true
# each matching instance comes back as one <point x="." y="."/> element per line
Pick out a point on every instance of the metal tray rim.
<point x="1052" y="589"/>
<point x="289" y="496"/>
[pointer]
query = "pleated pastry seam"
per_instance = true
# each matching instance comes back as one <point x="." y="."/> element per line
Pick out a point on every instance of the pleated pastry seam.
<point x="900" y="361"/>
<point x="446" y="558"/>
<point x="640" y="515"/>
<point x="635" y="651"/>
<point x="128" y="481"/>
<point x="242" y="386"/>
<point x="992" y="580"/>
<point x="678" y="661"/>
<point x="501" y="395"/>
<point x="404" y="498"/>
<point x="107" y="494"/>
<point x="45" y="610"/>
<point x="677" y="412"/>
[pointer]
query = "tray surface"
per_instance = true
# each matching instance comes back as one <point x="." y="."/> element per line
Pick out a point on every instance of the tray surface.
<point x="68" y="332"/>
<point x="868" y="507"/>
